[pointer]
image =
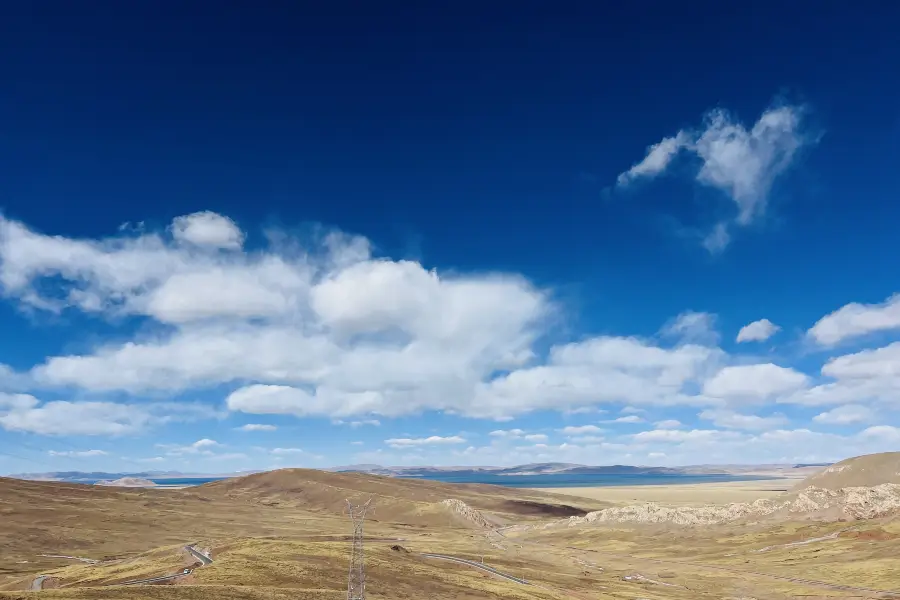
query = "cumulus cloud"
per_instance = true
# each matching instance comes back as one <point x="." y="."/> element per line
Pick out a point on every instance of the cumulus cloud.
<point x="321" y="327"/>
<point x="22" y="412"/>
<point x="846" y="415"/>
<point x="757" y="331"/>
<point x="754" y="382"/>
<point x="855" y="319"/>
<point x="741" y="162"/>
<point x="434" y="440"/>
<point x="207" y="229"/>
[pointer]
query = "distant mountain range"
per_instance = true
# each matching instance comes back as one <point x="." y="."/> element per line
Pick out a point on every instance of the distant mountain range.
<point x="91" y="476"/>
<point x="450" y="472"/>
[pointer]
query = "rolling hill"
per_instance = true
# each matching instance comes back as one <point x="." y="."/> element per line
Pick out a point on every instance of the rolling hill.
<point x="861" y="471"/>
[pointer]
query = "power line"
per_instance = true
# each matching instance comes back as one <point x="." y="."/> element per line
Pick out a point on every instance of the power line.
<point x="356" y="581"/>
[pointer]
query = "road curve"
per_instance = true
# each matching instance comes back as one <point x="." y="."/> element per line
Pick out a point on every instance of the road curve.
<point x="194" y="552"/>
<point x="477" y="565"/>
<point x="38" y="582"/>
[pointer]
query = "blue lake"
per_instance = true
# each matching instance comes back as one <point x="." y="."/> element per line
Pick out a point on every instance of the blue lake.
<point x="583" y="480"/>
<point x="536" y="481"/>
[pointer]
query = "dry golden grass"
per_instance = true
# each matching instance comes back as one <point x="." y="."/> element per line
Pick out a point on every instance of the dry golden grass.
<point x="283" y="535"/>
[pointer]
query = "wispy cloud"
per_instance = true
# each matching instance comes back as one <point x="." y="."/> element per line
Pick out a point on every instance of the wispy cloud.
<point x="741" y="162"/>
<point x="434" y="440"/>
<point x="77" y="453"/>
<point x="257" y="427"/>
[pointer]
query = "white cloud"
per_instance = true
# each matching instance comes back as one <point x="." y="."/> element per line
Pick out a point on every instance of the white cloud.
<point x="318" y="327"/>
<point x="363" y="422"/>
<point x="657" y="160"/>
<point x="853" y="320"/>
<point x="204" y="447"/>
<point x="434" y="440"/>
<point x="696" y="327"/>
<point x="77" y="453"/>
<point x="668" y="424"/>
<point x="846" y="415"/>
<point x="718" y="239"/>
<point x="257" y="427"/>
<point x="678" y="435"/>
<point x="13" y="402"/>
<point x="507" y="433"/>
<point x="22" y="413"/>
<point x="886" y="433"/>
<point x="357" y="443"/>
<point x="754" y="382"/>
<point x="733" y="420"/>
<point x="207" y="229"/>
<point x="628" y="419"/>
<point x="757" y="331"/>
<point x="580" y="429"/>
<point x="880" y="362"/>
<point x="743" y="163"/>
<point x="205" y="443"/>
<point x="152" y="459"/>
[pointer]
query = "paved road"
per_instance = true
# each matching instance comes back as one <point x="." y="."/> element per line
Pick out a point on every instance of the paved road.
<point x="194" y="552"/>
<point x="38" y="582"/>
<point x="477" y="565"/>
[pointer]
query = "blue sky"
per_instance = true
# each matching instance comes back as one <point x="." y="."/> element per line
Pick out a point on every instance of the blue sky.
<point x="237" y="238"/>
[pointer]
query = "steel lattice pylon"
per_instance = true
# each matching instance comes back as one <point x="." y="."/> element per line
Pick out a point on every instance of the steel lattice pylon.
<point x="356" y="583"/>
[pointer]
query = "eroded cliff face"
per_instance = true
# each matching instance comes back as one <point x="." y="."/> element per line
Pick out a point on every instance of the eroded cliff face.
<point x="852" y="503"/>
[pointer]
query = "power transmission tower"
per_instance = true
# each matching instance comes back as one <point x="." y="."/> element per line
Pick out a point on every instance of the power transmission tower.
<point x="356" y="583"/>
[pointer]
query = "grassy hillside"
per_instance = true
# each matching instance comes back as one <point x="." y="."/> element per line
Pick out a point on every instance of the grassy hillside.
<point x="860" y="471"/>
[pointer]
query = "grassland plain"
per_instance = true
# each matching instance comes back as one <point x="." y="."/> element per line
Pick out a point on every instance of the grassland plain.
<point x="283" y="534"/>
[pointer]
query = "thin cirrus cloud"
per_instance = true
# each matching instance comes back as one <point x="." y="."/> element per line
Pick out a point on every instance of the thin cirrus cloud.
<point x="77" y="453"/>
<point x="257" y="427"/>
<point x="434" y="440"/>
<point x="743" y="163"/>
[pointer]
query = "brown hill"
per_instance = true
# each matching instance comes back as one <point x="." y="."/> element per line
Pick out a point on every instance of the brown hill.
<point x="861" y="471"/>
<point x="396" y="499"/>
<point x="96" y="522"/>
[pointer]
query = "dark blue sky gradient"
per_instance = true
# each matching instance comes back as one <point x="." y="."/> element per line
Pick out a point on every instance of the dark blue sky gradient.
<point x="472" y="136"/>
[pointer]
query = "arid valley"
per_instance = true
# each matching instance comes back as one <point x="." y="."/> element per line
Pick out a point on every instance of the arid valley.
<point x="285" y="534"/>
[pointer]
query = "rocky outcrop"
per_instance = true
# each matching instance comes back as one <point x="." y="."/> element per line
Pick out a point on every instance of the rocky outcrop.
<point x="853" y="503"/>
<point x="467" y="512"/>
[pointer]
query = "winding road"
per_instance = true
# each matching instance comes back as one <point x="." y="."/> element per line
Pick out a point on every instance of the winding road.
<point x="477" y="565"/>
<point x="205" y="560"/>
